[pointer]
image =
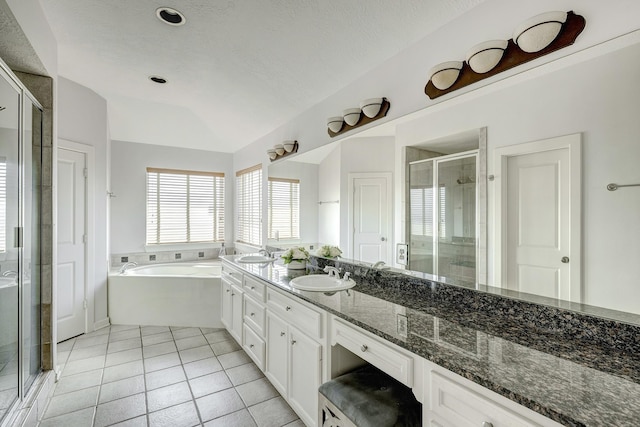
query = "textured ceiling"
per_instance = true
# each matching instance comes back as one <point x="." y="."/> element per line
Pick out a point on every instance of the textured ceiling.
<point x="237" y="69"/>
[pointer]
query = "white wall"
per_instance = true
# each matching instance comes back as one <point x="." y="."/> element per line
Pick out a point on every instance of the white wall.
<point x="599" y="99"/>
<point x="128" y="182"/>
<point x="307" y="173"/>
<point x="82" y="118"/>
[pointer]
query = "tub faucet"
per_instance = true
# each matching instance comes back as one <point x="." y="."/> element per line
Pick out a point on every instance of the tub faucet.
<point x="11" y="273"/>
<point x="127" y="265"/>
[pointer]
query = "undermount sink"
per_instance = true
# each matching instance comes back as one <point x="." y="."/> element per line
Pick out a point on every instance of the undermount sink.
<point x="255" y="259"/>
<point x="321" y="283"/>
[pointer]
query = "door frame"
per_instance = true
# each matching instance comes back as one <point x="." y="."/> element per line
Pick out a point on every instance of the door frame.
<point x="89" y="247"/>
<point x="351" y="177"/>
<point x="498" y="192"/>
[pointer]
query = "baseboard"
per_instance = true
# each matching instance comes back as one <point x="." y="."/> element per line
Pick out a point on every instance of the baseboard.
<point x="101" y="324"/>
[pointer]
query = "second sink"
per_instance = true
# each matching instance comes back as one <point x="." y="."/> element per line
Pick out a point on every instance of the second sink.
<point x="321" y="283"/>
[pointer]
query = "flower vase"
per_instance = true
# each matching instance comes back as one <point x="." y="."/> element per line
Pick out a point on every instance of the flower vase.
<point x="297" y="264"/>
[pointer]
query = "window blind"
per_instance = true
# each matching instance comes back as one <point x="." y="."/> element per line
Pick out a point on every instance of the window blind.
<point x="249" y="205"/>
<point x="284" y="208"/>
<point x="184" y="206"/>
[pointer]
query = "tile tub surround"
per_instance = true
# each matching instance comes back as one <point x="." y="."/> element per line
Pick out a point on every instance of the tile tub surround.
<point x="573" y="368"/>
<point x="161" y="376"/>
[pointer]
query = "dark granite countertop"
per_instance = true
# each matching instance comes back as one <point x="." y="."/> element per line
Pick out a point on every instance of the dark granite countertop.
<point x="560" y="371"/>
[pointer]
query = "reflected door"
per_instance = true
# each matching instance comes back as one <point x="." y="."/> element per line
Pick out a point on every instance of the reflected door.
<point x="371" y="217"/>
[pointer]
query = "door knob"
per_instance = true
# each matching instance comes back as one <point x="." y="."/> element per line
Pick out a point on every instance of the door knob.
<point x="565" y="260"/>
<point x="383" y="239"/>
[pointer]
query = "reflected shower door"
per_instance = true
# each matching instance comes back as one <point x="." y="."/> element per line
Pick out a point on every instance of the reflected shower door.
<point x="422" y="219"/>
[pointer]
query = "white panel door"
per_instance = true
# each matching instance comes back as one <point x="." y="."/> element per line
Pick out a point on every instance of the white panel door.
<point x="71" y="226"/>
<point x="540" y="200"/>
<point x="371" y="218"/>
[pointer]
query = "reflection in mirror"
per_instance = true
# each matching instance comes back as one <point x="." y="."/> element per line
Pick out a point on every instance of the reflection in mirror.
<point x="442" y="216"/>
<point x="593" y="94"/>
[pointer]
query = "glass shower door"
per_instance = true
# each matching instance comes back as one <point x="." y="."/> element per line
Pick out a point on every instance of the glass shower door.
<point x="422" y="219"/>
<point x="457" y="218"/>
<point x="9" y="222"/>
<point x="442" y="216"/>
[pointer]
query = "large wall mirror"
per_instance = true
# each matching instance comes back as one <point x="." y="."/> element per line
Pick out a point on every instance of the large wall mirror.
<point x="587" y="103"/>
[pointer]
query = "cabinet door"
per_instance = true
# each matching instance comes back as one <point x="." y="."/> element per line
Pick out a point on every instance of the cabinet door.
<point x="305" y="373"/>
<point x="227" y="305"/>
<point x="277" y="352"/>
<point x="236" y="313"/>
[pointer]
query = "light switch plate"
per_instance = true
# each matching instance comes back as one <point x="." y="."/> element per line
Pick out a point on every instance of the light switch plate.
<point x="402" y="254"/>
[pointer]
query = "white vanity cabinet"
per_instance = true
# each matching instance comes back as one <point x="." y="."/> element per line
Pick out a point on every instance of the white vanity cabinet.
<point x="232" y="301"/>
<point x="254" y="319"/>
<point x="454" y="401"/>
<point x="295" y="352"/>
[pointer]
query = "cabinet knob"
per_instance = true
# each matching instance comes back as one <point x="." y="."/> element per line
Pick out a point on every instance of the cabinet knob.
<point x="287" y="308"/>
<point x="228" y="290"/>
<point x="253" y="314"/>
<point x="232" y="294"/>
<point x="487" y="424"/>
<point x="281" y="334"/>
<point x="253" y="288"/>
<point x="565" y="260"/>
<point x="293" y="342"/>
<point x="364" y="348"/>
<point x="250" y="345"/>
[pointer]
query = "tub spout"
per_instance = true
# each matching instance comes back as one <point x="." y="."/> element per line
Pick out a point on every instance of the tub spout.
<point x="127" y="265"/>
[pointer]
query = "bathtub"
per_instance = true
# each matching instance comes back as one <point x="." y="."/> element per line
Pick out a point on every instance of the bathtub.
<point x="178" y="294"/>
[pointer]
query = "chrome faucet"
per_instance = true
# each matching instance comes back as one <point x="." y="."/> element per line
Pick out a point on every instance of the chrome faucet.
<point x="378" y="264"/>
<point x="127" y="265"/>
<point x="332" y="271"/>
<point x="264" y="252"/>
<point x="8" y="273"/>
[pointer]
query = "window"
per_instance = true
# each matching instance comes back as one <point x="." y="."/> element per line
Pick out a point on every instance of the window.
<point x="184" y="206"/>
<point x="249" y="203"/>
<point x="284" y="208"/>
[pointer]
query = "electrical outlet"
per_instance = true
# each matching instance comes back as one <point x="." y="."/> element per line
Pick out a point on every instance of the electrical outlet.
<point x="152" y="257"/>
<point x="178" y="256"/>
<point x="200" y="254"/>
<point x="124" y="259"/>
<point x="402" y="254"/>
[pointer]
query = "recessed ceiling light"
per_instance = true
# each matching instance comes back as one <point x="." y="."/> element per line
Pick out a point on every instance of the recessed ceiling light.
<point x="170" y="16"/>
<point x="157" y="79"/>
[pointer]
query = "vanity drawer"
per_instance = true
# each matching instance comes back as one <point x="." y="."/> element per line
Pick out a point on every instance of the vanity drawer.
<point x="382" y="355"/>
<point x="302" y="317"/>
<point x="254" y="346"/>
<point x="255" y="288"/>
<point x="452" y="404"/>
<point x="231" y="274"/>
<point x="254" y="314"/>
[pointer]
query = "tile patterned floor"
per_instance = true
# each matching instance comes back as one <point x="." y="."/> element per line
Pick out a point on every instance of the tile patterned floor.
<point x="162" y="376"/>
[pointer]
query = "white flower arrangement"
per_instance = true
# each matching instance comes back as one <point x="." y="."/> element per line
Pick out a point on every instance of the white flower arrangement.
<point x="329" y="251"/>
<point x="295" y="254"/>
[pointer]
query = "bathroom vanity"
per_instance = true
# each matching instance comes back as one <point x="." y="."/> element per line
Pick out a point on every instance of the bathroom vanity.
<point x="471" y="359"/>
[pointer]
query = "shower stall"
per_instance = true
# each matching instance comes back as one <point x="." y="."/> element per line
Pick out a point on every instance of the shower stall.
<point x="442" y="218"/>
<point x="20" y="241"/>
